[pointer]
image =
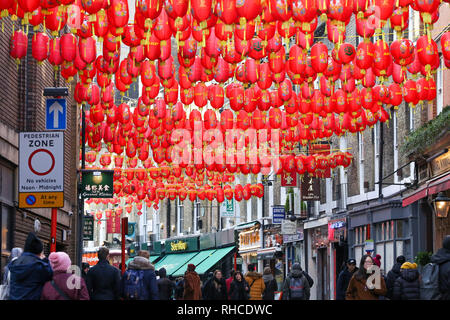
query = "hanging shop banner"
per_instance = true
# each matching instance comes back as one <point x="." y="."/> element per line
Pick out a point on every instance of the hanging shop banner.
<point x="337" y="229"/>
<point x="278" y="214"/>
<point x="288" y="227"/>
<point x="227" y="208"/>
<point x="88" y="228"/>
<point x="289" y="179"/>
<point x="97" y="183"/>
<point x="321" y="150"/>
<point x="131" y="229"/>
<point x="113" y="223"/>
<point x="310" y="188"/>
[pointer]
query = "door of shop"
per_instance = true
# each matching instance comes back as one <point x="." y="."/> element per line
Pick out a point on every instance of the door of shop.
<point x="322" y="274"/>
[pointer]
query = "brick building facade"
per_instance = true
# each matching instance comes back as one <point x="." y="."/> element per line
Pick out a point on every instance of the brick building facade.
<point x="23" y="109"/>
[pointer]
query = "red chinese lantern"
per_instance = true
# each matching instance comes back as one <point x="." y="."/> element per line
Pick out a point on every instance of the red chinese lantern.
<point x="88" y="49"/>
<point x="19" y="45"/>
<point x="118" y="15"/>
<point x="40" y="46"/>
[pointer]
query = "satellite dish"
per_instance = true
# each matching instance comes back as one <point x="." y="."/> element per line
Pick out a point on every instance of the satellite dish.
<point x="37" y="225"/>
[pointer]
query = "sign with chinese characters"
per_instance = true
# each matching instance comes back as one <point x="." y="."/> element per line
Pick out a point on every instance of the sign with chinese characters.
<point x="88" y="228"/>
<point x="289" y="179"/>
<point x="249" y="240"/>
<point x="278" y="214"/>
<point x="227" y="209"/>
<point x="97" y="184"/>
<point x="321" y="149"/>
<point x="113" y="223"/>
<point x="310" y="188"/>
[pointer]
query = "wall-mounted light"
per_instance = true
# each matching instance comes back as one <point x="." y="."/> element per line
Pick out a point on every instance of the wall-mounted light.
<point x="173" y="228"/>
<point x="161" y="226"/>
<point x="441" y="205"/>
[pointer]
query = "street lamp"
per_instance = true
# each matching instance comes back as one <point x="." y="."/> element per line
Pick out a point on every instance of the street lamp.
<point x="441" y="205"/>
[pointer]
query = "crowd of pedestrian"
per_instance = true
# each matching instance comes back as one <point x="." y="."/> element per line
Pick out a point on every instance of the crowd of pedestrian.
<point x="30" y="275"/>
<point x="402" y="282"/>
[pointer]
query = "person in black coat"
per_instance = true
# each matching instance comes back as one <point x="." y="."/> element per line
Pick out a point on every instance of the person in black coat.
<point x="344" y="279"/>
<point x="239" y="289"/>
<point x="216" y="288"/>
<point x="442" y="258"/>
<point x="407" y="286"/>
<point x="103" y="280"/>
<point x="393" y="275"/>
<point x="165" y="286"/>
<point x="270" y="283"/>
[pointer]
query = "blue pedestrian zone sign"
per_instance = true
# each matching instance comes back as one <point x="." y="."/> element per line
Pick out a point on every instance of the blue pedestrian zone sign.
<point x="56" y="114"/>
<point x="278" y="215"/>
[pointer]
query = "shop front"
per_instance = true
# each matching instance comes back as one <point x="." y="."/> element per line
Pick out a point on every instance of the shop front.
<point x="294" y="248"/>
<point x="385" y="228"/>
<point x="207" y="252"/>
<point x="271" y="254"/>
<point x="317" y="253"/>
<point x="249" y="237"/>
<point x="431" y="197"/>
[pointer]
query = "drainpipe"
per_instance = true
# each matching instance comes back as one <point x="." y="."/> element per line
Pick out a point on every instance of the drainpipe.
<point x="380" y="170"/>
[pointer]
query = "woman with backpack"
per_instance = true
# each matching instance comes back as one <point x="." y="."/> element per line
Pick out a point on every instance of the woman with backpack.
<point x="359" y="288"/>
<point x="296" y="286"/>
<point x="139" y="281"/>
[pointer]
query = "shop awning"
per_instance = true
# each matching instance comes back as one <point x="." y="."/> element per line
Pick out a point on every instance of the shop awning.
<point x="153" y="258"/>
<point x="172" y="262"/>
<point x="213" y="259"/>
<point x="267" y="253"/>
<point x="198" y="259"/>
<point x="431" y="187"/>
<point x="246" y="225"/>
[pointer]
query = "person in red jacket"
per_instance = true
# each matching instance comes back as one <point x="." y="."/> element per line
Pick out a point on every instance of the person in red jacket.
<point x="229" y="280"/>
<point x="63" y="286"/>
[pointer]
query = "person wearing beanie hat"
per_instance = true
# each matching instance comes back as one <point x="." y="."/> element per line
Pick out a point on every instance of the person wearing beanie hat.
<point x="29" y="272"/>
<point x="344" y="279"/>
<point x="192" y="286"/>
<point x="64" y="285"/>
<point x="442" y="258"/>
<point x="270" y="283"/>
<point x="407" y="286"/>
<point x="33" y="244"/>
<point x="393" y="274"/>
<point x="377" y="260"/>
<point x="359" y="288"/>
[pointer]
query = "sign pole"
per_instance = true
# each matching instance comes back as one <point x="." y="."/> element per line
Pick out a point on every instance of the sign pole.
<point x="124" y="233"/>
<point x="53" y="230"/>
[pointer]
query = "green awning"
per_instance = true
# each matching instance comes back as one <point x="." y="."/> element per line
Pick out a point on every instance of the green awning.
<point x="172" y="262"/>
<point x="212" y="260"/>
<point x="153" y="258"/>
<point x="198" y="259"/>
<point x="128" y="261"/>
<point x="246" y="225"/>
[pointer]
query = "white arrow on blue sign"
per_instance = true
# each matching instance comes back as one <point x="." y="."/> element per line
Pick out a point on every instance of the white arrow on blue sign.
<point x="56" y="114"/>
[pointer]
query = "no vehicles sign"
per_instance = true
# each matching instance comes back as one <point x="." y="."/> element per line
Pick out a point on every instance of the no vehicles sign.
<point x="41" y="169"/>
